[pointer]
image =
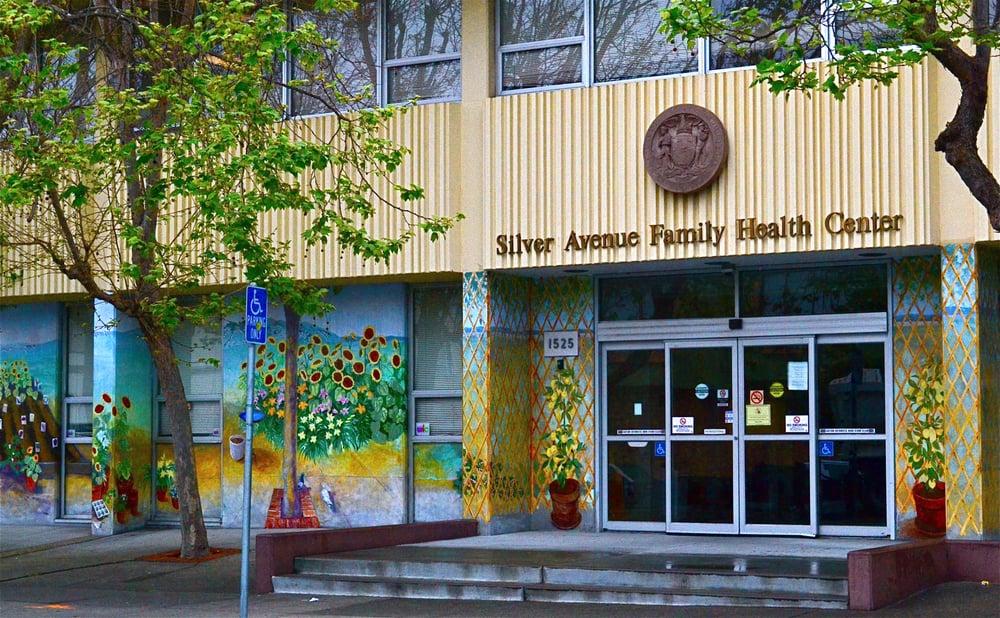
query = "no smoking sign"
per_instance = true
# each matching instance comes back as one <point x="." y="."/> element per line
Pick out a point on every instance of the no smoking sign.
<point x="756" y="398"/>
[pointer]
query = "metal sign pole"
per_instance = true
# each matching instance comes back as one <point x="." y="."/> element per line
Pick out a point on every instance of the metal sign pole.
<point x="255" y="333"/>
<point x="247" y="487"/>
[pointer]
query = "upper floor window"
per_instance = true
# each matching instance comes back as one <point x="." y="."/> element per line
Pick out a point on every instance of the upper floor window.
<point x="385" y="52"/>
<point x="723" y="56"/>
<point x="560" y="42"/>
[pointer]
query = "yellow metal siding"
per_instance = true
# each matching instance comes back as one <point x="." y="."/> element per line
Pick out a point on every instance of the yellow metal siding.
<point x="430" y="132"/>
<point x="571" y="160"/>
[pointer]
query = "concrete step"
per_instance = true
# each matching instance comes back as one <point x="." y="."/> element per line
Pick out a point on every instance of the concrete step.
<point x="423" y="588"/>
<point x="698" y="580"/>
<point x="395" y="587"/>
<point x="415" y="569"/>
<point x="551" y="593"/>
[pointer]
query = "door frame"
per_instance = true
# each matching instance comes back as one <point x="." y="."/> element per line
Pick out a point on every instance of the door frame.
<point x="606" y="437"/>
<point x="734" y="438"/>
<point x="810" y="529"/>
<point x="887" y="438"/>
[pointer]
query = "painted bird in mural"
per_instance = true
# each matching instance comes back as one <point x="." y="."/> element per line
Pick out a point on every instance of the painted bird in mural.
<point x="327" y="494"/>
<point x="302" y="481"/>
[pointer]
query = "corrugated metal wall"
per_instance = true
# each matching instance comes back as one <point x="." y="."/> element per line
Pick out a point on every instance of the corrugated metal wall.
<point x="571" y="160"/>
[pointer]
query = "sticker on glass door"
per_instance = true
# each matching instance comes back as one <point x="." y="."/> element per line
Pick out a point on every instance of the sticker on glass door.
<point x="682" y="425"/>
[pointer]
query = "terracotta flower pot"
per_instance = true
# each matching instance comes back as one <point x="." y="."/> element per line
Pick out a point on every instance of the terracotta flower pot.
<point x="930" y="509"/>
<point x="30" y="484"/>
<point x="174" y="502"/>
<point x="120" y="516"/>
<point x="565" y="504"/>
<point x="161" y="495"/>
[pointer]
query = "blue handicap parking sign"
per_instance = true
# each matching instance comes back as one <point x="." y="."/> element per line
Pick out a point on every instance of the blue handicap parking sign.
<point x="660" y="448"/>
<point x="826" y="448"/>
<point x="256" y="315"/>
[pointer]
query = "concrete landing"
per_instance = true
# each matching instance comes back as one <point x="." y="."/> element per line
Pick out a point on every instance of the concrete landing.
<point x="658" y="543"/>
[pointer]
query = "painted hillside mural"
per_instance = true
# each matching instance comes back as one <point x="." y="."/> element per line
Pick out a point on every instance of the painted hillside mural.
<point x="29" y="425"/>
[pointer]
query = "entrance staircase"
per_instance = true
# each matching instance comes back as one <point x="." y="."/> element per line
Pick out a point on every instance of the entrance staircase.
<point x="428" y="572"/>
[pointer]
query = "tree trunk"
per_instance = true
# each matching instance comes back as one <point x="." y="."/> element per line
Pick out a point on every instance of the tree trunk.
<point x="959" y="139"/>
<point x="194" y="537"/>
<point x="290" y="506"/>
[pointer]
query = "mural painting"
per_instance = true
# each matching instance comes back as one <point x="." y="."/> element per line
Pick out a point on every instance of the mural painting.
<point x="917" y="352"/>
<point x="437" y="481"/>
<point x="208" y="470"/>
<point x="352" y="413"/>
<point x="119" y="477"/>
<point x="29" y="414"/>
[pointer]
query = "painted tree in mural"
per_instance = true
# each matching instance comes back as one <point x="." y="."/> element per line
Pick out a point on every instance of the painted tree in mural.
<point x="874" y="40"/>
<point x="140" y="145"/>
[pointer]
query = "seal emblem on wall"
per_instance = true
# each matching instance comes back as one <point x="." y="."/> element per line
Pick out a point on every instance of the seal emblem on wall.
<point x="685" y="148"/>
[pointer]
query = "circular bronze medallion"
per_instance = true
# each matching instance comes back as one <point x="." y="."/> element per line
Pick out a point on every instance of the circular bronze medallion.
<point x="685" y="149"/>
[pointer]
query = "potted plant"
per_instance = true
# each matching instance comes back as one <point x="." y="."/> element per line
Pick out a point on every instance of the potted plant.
<point x="924" y="448"/>
<point x="560" y="459"/>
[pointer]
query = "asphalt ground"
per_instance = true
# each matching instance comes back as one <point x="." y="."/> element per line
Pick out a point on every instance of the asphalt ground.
<point x="67" y="573"/>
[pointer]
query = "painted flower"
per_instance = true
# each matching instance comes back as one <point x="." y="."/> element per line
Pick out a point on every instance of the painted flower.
<point x="348" y="382"/>
<point x="303" y="405"/>
<point x="369" y="332"/>
<point x="106" y="397"/>
<point x="126" y="401"/>
<point x="361" y="408"/>
<point x="302" y="389"/>
<point x="377" y="374"/>
<point x="373" y="356"/>
<point x="396" y="360"/>
<point x="359" y="367"/>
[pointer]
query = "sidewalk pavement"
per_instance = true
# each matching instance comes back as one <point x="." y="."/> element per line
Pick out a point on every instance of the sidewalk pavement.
<point x="59" y="571"/>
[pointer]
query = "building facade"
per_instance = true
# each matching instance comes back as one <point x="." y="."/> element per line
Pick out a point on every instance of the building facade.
<point x="809" y="345"/>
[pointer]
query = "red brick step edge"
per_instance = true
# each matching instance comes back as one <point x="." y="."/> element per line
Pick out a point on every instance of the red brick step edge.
<point x="276" y="551"/>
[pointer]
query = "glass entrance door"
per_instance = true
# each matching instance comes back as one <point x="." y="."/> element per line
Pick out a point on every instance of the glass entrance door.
<point x="702" y="438"/>
<point x="776" y="424"/>
<point x="634" y="455"/>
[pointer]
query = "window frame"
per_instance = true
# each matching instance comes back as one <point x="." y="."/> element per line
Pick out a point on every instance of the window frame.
<point x="68" y="400"/>
<point x="586" y="40"/>
<point x="64" y="439"/>
<point x="413" y="394"/>
<point x="382" y="66"/>
<point x="159" y="400"/>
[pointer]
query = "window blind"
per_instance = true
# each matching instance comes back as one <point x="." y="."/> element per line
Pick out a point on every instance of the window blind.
<point x="79" y="350"/>
<point x="437" y="338"/>
<point x="443" y="413"/>
<point x="206" y="419"/>
<point x="198" y="350"/>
